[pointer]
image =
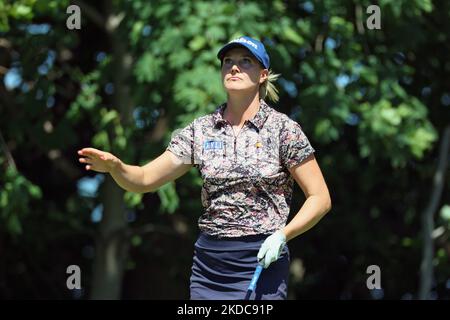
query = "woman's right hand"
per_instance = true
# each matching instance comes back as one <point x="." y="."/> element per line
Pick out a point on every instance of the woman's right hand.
<point x="98" y="160"/>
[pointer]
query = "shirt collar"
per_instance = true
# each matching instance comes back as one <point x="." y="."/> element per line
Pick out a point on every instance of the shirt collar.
<point x="258" y="120"/>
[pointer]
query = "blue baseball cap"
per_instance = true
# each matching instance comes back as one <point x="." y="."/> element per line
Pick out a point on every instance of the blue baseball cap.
<point x="254" y="46"/>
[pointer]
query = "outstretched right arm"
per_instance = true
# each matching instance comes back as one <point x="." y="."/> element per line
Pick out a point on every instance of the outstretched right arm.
<point x="140" y="179"/>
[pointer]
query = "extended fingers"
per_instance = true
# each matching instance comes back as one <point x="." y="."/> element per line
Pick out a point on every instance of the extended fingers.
<point x="88" y="161"/>
<point x="89" y="152"/>
<point x="93" y="154"/>
<point x="85" y="160"/>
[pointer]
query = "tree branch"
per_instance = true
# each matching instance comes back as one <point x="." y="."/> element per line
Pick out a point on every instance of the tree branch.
<point x="91" y="13"/>
<point x="359" y="19"/>
<point x="8" y="154"/>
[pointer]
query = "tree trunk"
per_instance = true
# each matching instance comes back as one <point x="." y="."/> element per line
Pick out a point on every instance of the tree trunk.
<point x="426" y="267"/>
<point x="113" y="244"/>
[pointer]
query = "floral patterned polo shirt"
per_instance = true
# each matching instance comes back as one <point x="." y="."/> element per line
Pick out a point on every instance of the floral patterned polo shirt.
<point x="247" y="188"/>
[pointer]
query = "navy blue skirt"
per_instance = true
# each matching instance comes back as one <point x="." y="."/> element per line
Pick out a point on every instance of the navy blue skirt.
<point x="223" y="268"/>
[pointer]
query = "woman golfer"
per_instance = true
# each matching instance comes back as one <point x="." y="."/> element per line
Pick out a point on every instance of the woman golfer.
<point x="248" y="155"/>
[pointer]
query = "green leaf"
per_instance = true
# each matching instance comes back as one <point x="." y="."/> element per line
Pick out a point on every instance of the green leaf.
<point x="425" y="5"/>
<point x="390" y="116"/>
<point x="108" y="116"/>
<point x="197" y="43"/>
<point x="20" y="11"/>
<point x="421" y="140"/>
<point x="35" y="191"/>
<point x="445" y="213"/>
<point x="148" y="68"/>
<point x="169" y="198"/>
<point x="133" y="199"/>
<point x="101" y="140"/>
<point x="136" y="31"/>
<point x="136" y="240"/>
<point x="292" y="35"/>
<point x="407" y="242"/>
<point x="13" y="225"/>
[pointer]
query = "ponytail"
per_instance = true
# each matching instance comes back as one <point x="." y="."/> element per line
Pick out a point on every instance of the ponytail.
<point x="268" y="89"/>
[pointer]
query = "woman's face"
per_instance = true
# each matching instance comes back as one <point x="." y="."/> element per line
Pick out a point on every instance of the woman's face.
<point x="241" y="71"/>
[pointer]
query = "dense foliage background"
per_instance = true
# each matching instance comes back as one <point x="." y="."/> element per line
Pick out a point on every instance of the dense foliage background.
<point x="375" y="104"/>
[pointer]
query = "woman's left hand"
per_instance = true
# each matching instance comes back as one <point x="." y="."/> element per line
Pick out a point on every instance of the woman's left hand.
<point x="271" y="248"/>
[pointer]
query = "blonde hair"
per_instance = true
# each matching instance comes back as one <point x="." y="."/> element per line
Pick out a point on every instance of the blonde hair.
<point x="268" y="89"/>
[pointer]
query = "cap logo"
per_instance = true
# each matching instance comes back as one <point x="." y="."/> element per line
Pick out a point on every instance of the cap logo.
<point x="254" y="45"/>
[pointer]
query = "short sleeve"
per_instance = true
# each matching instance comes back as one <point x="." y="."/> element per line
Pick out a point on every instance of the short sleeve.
<point x="294" y="145"/>
<point x="182" y="144"/>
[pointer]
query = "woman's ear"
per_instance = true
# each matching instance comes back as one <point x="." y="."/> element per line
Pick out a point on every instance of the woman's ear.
<point x="264" y="75"/>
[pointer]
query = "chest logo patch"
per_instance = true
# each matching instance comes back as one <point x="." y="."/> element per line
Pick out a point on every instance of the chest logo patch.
<point x="212" y="145"/>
